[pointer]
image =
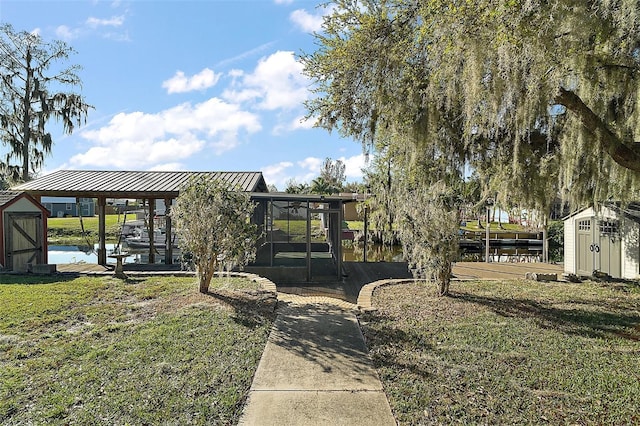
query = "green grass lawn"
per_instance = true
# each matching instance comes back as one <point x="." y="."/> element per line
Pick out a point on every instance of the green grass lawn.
<point x="68" y="230"/>
<point x="514" y="352"/>
<point x="142" y="351"/>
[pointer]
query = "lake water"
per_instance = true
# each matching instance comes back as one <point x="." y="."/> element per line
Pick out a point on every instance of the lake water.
<point x="75" y="254"/>
<point x="355" y="253"/>
<point x="59" y="254"/>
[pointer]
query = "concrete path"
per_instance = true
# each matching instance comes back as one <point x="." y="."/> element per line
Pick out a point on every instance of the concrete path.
<point x="315" y="371"/>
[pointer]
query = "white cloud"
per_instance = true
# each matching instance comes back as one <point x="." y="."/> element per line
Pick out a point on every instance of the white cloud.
<point x="306" y="170"/>
<point x="354" y="166"/>
<point x="303" y="171"/>
<point x="93" y="25"/>
<point x="302" y="123"/>
<point x="141" y="141"/>
<point x="114" y="21"/>
<point x="283" y="1"/>
<point x="167" y="167"/>
<point x="276" y="83"/>
<point x="306" y="21"/>
<point x="127" y="154"/>
<point x="298" y="123"/>
<point x="310" y="22"/>
<point x="66" y="33"/>
<point x="276" y="174"/>
<point x="180" y="83"/>
<point x="312" y="164"/>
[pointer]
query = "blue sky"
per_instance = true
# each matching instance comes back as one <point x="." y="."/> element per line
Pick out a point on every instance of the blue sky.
<point x="190" y="85"/>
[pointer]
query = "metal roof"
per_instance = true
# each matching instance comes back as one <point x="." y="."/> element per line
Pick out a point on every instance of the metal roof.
<point x="313" y="198"/>
<point x="131" y="184"/>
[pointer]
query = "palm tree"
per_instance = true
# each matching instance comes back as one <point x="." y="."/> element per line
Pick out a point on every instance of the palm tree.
<point x="320" y="186"/>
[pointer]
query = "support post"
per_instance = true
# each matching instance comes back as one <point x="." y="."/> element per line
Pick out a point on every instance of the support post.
<point x="366" y="232"/>
<point x="270" y="227"/>
<point x="152" y="247"/>
<point x="102" y="234"/>
<point x="308" y="236"/>
<point x="168" y="253"/>
<point x="545" y="241"/>
<point x="338" y="250"/>
<point x="486" y="248"/>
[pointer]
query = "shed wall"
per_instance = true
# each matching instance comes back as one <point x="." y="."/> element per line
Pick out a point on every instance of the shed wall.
<point x="630" y="234"/>
<point x="570" y="245"/>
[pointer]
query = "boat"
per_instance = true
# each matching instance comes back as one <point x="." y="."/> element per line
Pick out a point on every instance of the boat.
<point x="140" y="240"/>
<point x="132" y="227"/>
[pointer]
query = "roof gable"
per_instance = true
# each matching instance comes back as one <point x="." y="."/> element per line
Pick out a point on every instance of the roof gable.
<point x="8" y="196"/>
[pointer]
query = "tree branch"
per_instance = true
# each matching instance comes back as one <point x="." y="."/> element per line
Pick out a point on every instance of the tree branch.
<point x="619" y="152"/>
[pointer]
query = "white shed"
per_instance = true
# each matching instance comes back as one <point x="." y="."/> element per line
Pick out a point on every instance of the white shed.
<point x="604" y="240"/>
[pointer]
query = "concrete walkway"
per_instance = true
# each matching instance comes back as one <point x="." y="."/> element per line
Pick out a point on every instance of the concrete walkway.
<point x="315" y="371"/>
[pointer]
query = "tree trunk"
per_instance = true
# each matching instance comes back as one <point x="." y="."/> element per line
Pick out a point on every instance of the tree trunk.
<point x="622" y="154"/>
<point x="500" y="219"/>
<point x="26" y="119"/>
<point x="444" y="279"/>
<point x="204" y="284"/>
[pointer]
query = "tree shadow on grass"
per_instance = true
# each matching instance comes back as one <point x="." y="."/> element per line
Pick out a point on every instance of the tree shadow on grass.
<point x="600" y="322"/>
<point x="388" y="345"/>
<point x="31" y="279"/>
<point x="252" y="308"/>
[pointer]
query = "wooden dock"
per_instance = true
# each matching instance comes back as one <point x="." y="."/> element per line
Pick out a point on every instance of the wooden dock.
<point x="503" y="270"/>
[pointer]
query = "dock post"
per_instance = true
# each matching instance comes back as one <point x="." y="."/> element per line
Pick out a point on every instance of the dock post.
<point x="486" y="248"/>
<point x="102" y="234"/>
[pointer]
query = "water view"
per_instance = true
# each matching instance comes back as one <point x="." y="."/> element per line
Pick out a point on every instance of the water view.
<point x="61" y="254"/>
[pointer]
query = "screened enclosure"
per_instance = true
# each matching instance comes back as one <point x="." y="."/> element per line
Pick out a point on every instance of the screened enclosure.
<point x="300" y="237"/>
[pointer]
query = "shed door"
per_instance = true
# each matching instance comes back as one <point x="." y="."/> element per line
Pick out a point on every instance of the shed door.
<point x="584" y="247"/>
<point x="23" y="240"/>
<point x="609" y="245"/>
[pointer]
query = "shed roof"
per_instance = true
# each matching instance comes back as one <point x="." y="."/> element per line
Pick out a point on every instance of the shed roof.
<point x="7" y="196"/>
<point x="131" y="184"/>
<point x="630" y="210"/>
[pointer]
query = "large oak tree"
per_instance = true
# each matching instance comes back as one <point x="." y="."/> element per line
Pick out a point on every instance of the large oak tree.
<point x="542" y="93"/>
<point x="521" y="82"/>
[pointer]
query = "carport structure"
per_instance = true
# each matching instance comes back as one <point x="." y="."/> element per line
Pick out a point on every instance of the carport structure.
<point x="143" y="185"/>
